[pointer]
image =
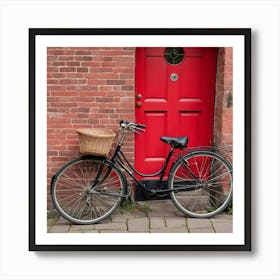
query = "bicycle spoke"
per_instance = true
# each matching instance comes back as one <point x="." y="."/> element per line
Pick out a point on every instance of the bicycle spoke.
<point x="66" y="179"/>
<point x="75" y="208"/>
<point x="65" y="197"/>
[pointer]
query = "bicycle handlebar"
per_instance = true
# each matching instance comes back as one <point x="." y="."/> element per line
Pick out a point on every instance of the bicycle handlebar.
<point x="132" y="126"/>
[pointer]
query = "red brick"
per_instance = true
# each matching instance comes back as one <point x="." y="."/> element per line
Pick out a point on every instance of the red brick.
<point x="52" y="69"/>
<point x="82" y="69"/>
<point x="73" y="63"/>
<point x="72" y="81"/>
<point x="115" y="82"/>
<point x="82" y="88"/>
<point x="57" y="75"/>
<point x="86" y="58"/>
<point x="107" y="58"/>
<point x="123" y="70"/>
<point x="128" y="88"/>
<point x="63" y="93"/>
<point x="56" y="63"/>
<point x="82" y="52"/>
<point x="55" y="52"/>
<point x="223" y="113"/>
<point x="99" y="70"/>
<point x="96" y="82"/>
<point x="94" y="64"/>
<point x="67" y="69"/>
<point x="73" y="75"/>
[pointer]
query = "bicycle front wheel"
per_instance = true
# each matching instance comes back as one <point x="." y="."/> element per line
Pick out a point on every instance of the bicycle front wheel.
<point x="74" y="196"/>
<point x="201" y="184"/>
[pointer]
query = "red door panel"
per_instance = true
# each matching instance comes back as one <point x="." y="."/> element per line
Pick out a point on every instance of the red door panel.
<point x="173" y="108"/>
<point x="153" y="155"/>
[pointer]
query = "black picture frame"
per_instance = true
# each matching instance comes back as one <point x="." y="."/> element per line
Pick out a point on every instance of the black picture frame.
<point x="243" y="32"/>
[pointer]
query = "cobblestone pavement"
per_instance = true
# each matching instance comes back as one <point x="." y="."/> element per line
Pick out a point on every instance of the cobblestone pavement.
<point x="146" y="216"/>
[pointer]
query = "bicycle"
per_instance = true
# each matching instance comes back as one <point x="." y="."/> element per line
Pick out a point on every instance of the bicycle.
<point x="90" y="188"/>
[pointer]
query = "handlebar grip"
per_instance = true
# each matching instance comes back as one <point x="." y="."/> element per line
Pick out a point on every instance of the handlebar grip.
<point x="140" y="125"/>
<point x="137" y="125"/>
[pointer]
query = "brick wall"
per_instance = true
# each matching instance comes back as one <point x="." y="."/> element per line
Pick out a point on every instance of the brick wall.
<point x="86" y="87"/>
<point x="224" y="98"/>
<point x="94" y="87"/>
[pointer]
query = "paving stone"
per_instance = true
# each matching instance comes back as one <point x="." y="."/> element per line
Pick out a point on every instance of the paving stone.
<point x="160" y="208"/>
<point x="222" y="218"/>
<point x="169" y="230"/>
<point x="81" y="227"/>
<point x="139" y="214"/>
<point x="120" y="218"/>
<point x="201" y="230"/>
<point x="157" y="222"/>
<point x="113" y="231"/>
<point x="173" y="222"/>
<point x="178" y="213"/>
<point x="59" y="229"/>
<point x="138" y="225"/>
<point x="220" y="221"/>
<point x="62" y="221"/>
<point x="106" y="221"/>
<point x="198" y="223"/>
<point x="111" y="226"/>
<point x="83" y="231"/>
<point x="223" y="227"/>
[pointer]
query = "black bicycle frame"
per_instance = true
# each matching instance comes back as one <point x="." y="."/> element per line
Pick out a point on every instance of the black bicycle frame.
<point x="120" y="159"/>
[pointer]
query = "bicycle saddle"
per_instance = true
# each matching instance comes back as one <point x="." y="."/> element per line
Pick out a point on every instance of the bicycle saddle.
<point x="175" y="142"/>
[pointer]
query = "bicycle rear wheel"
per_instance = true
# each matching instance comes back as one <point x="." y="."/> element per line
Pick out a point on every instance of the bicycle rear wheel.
<point x="76" y="200"/>
<point x="201" y="184"/>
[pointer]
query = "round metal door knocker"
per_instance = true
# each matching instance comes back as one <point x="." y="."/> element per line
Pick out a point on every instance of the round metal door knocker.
<point x="174" y="77"/>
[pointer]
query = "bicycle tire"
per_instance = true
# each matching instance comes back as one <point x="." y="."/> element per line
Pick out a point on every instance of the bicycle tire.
<point x="70" y="186"/>
<point x="201" y="184"/>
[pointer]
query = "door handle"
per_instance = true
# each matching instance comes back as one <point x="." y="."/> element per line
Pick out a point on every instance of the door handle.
<point x="139" y="96"/>
<point x="139" y="104"/>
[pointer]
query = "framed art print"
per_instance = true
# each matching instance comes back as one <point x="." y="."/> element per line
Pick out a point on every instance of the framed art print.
<point x="146" y="92"/>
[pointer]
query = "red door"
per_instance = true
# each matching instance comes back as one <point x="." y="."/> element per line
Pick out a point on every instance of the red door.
<point x="175" y="89"/>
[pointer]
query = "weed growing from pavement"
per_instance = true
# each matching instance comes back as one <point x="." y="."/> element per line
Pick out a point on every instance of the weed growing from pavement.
<point x="52" y="217"/>
<point x="131" y="206"/>
<point x="229" y="209"/>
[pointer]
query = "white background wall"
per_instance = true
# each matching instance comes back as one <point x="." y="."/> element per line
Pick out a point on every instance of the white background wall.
<point x="16" y="262"/>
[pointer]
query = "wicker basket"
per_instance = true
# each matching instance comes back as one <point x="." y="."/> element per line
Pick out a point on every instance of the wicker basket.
<point x="95" y="141"/>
